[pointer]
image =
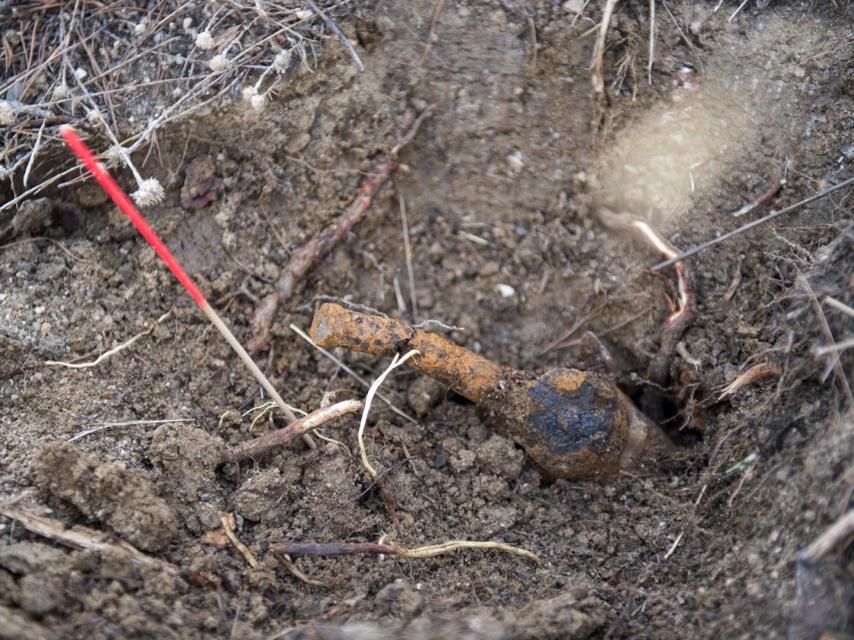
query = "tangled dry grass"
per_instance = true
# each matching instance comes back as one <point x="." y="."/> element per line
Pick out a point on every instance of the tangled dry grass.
<point x="121" y="70"/>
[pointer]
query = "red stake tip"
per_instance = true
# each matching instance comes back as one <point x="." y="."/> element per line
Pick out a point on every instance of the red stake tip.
<point x="123" y="202"/>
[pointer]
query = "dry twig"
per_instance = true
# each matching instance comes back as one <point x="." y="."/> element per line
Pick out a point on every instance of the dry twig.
<point x="750" y="225"/>
<point x="838" y="369"/>
<point x="431" y="37"/>
<point x="844" y="345"/>
<point x="597" y="65"/>
<point x="340" y="35"/>
<point x="78" y="537"/>
<point x="835" y="535"/>
<point x="232" y="537"/>
<point x="407" y="250"/>
<point x="685" y="38"/>
<point x="737" y="11"/>
<point x="309" y="255"/>
<point x="129" y="423"/>
<point x="282" y="437"/>
<point x="839" y="306"/>
<point x="651" y="41"/>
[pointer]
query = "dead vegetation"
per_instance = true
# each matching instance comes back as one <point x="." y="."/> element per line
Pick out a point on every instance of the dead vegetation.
<point x="122" y="71"/>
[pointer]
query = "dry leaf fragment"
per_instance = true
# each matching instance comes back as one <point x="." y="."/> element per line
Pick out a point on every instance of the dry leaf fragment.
<point x="756" y="373"/>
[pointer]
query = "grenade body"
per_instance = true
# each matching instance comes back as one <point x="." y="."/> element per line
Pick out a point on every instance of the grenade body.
<point x="573" y="424"/>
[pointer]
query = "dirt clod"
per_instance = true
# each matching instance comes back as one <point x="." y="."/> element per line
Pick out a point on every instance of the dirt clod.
<point x="29" y="557"/>
<point x="12" y="354"/>
<point x="500" y="456"/>
<point x="259" y="495"/>
<point x="201" y="185"/>
<point x="400" y="598"/>
<point x="123" y="499"/>
<point x="14" y="624"/>
<point x="188" y="457"/>
<point x="39" y="593"/>
<point x="575" y="614"/>
<point x="330" y="487"/>
<point x="423" y="394"/>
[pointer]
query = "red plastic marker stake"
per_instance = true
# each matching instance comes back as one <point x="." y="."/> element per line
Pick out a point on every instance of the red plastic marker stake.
<point x="127" y="206"/>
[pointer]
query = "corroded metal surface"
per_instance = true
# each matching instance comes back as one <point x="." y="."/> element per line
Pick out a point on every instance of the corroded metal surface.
<point x="572" y="423"/>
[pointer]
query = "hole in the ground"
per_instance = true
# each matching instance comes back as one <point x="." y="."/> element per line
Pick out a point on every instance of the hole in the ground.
<point x="458" y="399"/>
<point x="662" y="409"/>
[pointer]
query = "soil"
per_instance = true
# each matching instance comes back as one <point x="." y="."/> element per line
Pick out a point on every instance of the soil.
<point x="501" y="188"/>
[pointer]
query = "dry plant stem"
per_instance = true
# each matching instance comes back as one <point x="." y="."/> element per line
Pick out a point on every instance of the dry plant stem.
<point x="839" y="306"/>
<point x="78" y="537"/>
<point x="597" y="65"/>
<point x="310" y="255"/>
<point x="34" y="152"/>
<point x="242" y="548"/>
<point x="737" y="11"/>
<point x="651" y="41"/>
<point x="681" y="319"/>
<point x="750" y="225"/>
<point x="765" y="198"/>
<point x="248" y="361"/>
<point x="836" y="535"/>
<point x="756" y="373"/>
<point x="373" y="548"/>
<point x="683" y="36"/>
<point x="407" y="249"/>
<point x="838" y="369"/>
<point x="129" y="423"/>
<point x="434" y="20"/>
<point x="285" y="436"/>
<point x="111" y="352"/>
<point x="833" y="348"/>
<point x="344" y="39"/>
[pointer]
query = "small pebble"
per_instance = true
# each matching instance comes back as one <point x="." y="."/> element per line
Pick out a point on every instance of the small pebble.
<point x="515" y="161"/>
<point x="573" y="6"/>
<point x="505" y="290"/>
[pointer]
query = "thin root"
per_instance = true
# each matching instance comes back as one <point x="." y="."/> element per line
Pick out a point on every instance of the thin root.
<point x="124" y="345"/>
<point x="242" y="548"/>
<point x="369" y="398"/>
<point x="373" y="548"/>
